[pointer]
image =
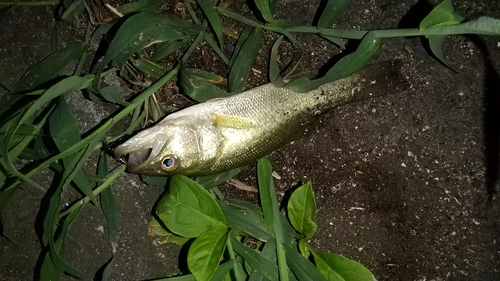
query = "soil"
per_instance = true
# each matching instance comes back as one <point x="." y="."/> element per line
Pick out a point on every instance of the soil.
<point x="404" y="183"/>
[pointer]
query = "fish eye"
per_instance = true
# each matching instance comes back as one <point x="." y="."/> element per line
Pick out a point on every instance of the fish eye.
<point x="170" y="163"/>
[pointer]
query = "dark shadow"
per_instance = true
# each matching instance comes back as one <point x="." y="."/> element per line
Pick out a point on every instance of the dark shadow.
<point x="416" y="14"/>
<point x="413" y="18"/>
<point x="491" y="117"/>
<point x="319" y="11"/>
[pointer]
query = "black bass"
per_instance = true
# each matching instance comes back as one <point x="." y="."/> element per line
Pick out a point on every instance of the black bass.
<point x="226" y="133"/>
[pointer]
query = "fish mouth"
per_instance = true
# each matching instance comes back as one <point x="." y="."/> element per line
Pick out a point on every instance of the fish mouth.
<point x="134" y="159"/>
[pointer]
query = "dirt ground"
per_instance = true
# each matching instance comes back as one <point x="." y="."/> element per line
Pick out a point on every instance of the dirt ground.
<point x="404" y="183"/>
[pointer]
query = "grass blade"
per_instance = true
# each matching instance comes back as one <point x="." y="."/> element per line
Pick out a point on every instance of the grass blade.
<point x="246" y="221"/>
<point x="65" y="133"/>
<point x="212" y="16"/>
<point x="272" y="215"/>
<point x="332" y="11"/>
<point x="140" y="5"/>
<point x="215" y="180"/>
<point x="49" y="68"/>
<point x="302" y="268"/>
<point x="260" y="264"/>
<point x="344" y="67"/>
<point x="244" y="57"/>
<point x="196" y="84"/>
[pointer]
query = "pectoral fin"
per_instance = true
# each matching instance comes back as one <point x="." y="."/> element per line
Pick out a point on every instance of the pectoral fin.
<point x="232" y="121"/>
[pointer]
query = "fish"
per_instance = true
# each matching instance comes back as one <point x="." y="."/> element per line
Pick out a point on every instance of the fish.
<point x="226" y="133"/>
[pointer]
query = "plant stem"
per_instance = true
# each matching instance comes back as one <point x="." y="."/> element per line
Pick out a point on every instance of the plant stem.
<point x="238" y="17"/>
<point x="230" y="250"/>
<point x="107" y="182"/>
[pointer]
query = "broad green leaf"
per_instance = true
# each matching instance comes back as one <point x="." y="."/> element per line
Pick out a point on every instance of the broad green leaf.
<point x="206" y="251"/>
<point x="212" y="16"/>
<point x="246" y="221"/>
<point x="197" y="86"/>
<point x="155" y="228"/>
<point x="301" y="267"/>
<point x="332" y="11"/>
<point x="243" y="59"/>
<point x="338" y="268"/>
<point x="140" y="5"/>
<point x="304" y="248"/>
<point x="215" y="180"/>
<point x="302" y="210"/>
<point x="49" y="68"/>
<point x="260" y="264"/>
<point x="344" y="67"/>
<point x="188" y="209"/>
<point x="65" y="133"/>
<point x="442" y="15"/>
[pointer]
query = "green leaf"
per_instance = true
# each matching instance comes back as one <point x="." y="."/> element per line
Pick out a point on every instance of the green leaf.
<point x="260" y="264"/>
<point x="272" y="215"/>
<point x="157" y="229"/>
<point x="481" y="26"/>
<point x="65" y="133"/>
<point x="436" y="46"/>
<point x="140" y="5"/>
<point x="304" y="248"/>
<point x="335" y="40"/>
<point x="206" y="251"/>
<point x="49" y="68"/>
<point x="215" y="180"/>
<point x="266" y="8"/>
<point x="108" y="204"/>
<point x="332" y="11"/>
<point x="196" y="84"/>
<point x="164" y="49"/>
<point x="442" y="15"/>
<point x="112" y="94"/>
<point x="302" y="210"/>
<point x="141" y="30"/>
<point x="274" y="70"/>
<point x="336" y="267"/>
<point x="212" y="16"/>
<point x="188" y="209"/>
<point x="302" y="268"/>
<point x="155" y="181"/>
<point x="246" y="221"/>
<point x="243" y="58"/>
<point x="344" y="67"/>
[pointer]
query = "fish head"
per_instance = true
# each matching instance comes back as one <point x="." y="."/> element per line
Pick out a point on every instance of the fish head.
<point x="186" y="145"/>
